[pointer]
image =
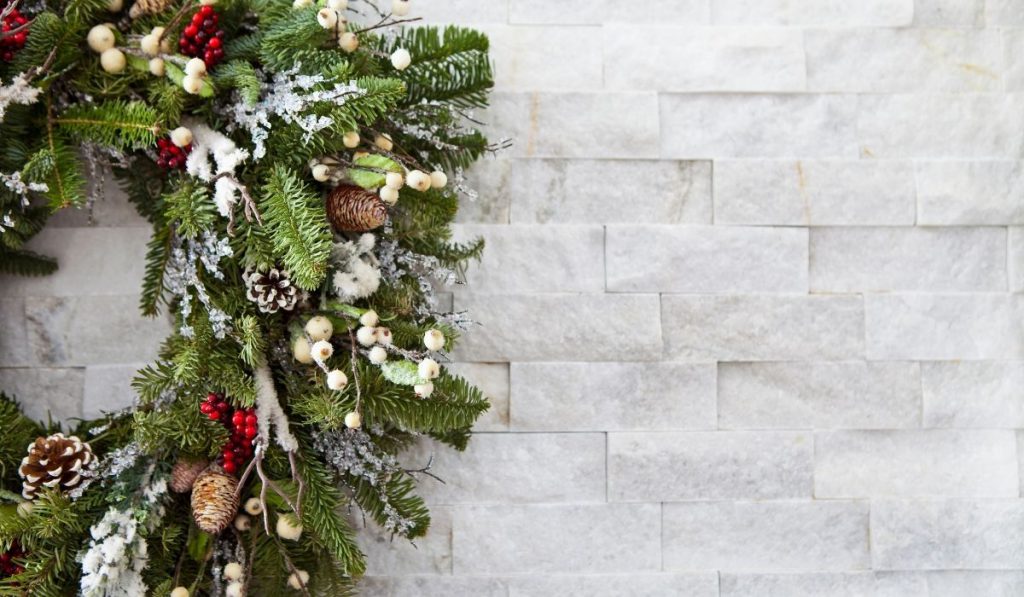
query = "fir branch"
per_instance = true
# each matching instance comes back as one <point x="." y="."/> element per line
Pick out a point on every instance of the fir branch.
<point x="298" y="226"/>
<point x="118" y="124"/>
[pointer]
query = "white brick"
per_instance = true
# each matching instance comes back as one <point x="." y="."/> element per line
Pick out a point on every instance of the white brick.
<point x="703" y="59"/>
<point x="819" y="193"/>
<point x="944" y="327"/>
<point x="666" y="467"/>
<point x="612" y="396"/>
<point x="706" y="259"/>
<point x="576" y="125"/>
<point x="560" y="327"/>
<point x="931" y="463"/>
<point x="949" y="13"/>
<point x="1004" y="13"/>
<point x="908" y="259"/>
<point x="43" y="393"/>
<point x="490" y="179"/>
<point x="493" y="380"/>
<point x="981" y="394"/>
<point x="940" y="125"/>
<point x="112" y="209"/>
<point x="447" y="12"/>
<point x="874" y="13"/>
<point x="855" y="395"/>
<point x="824" y="584"/>
<point x="92" y="261"/>
<point x="984" y="192"/>
<point x="391" y="555"/>
<point x="972" y="583"/>
<point x="91" y="330"/>
<point x="535" y="258"/>
<point x="951" y="534"/>
<point x="1016" y="259"/>
<point x="598" y="538"/>
<point x="763" y="328"/>
<point x="522" y="58"/>
<point x="604" y="191"/>
<point x="617" y="585"/>
<point x="433" y="586"/>
<point x="14" y="347"/>
<point x="108" y="388"/>
<point x="1013" y="45"/>
<point x="696" y="126"/>
<point x="511" y="468"/>
<point x="766" y="536"/>
<point x="903" y="60"/>
<point x="608" y="11"/>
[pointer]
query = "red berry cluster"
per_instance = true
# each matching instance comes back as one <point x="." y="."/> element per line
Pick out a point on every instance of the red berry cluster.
<point x="8" y="567"/>
<point x="242" y="425"/>
<point x="10" y="44"/>
<point x="171" y="157"/>
<point x="202" y="39"/>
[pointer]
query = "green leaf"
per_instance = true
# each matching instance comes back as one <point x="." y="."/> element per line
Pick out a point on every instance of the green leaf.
<point x="370" y="170"/>
<point x="403" y="373"/>
<point x="176" y="75"/>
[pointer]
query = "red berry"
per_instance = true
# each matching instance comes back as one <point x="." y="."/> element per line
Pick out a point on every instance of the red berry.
<point x="250" y="420"/>
<point x="206" y="10"/>
<point x="214" y="43"/>
<point x="205" y="408"/>
<point x="229" y="467"/>
<point x="250" y="432"/>
<point x="214" y="415"/>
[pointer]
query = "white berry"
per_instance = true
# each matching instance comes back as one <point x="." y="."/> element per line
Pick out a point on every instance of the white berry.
<point x="150" y="45"/>
<point x="320" y="328"/>
<point x="337" y="380"/>
<point x="327" y="17"/>
<point x="384" y="142"/>
<point x="100" y="39"/>
<point x="115" y="5"/>
<point x="192" y="85"/>
<point x="366" y="335"/>
<point x="298" y="579"/>
<point x="395" y="180"/>
<point x="321" y="173"/>
<point x="418" y="180"/>
<point x="423" y="390"/>
<point x="302" y="351"/>
<point x="253" y="506"/>
<point x="388" y="195"/>
<point x="25" y="509"/>
<point x="288" y="527"/>
<point x="233" y="571"/>
<point x="429" y="369"/>
<point x="179" y="592"/>
<point x="351" y="139"/>
<point x="438" y="179"/>
<point x="302" y="3"/>
<point x="401" y="59"/>
<point x="243" y="522"/>
<point x="369" y="318"/>
<point x="181" y="136"/>
<point x="384" y="337"/>
<point x="157" y="67"/>
<point x="400" y="8"/>
<point x="113" y="61"/>
<point x="348" y="42"/>
<point x="165" y="45"/>
<point x="337" y="4"/>
<point x="195" y="67"/>
<point x="234" y="589"/>
<point x="207" y="2"/>
<point x="353" y="420"/>
<point x="322" y="350"/>
<point x="378" y="355"/>
<point x="433" y="340"/>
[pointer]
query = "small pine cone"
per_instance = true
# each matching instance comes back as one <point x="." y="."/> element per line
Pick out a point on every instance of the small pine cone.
<point x="55" y="461"/>
<point x="271" y="290"/>
<point x="214" y="500"/>
<point x="185" y="473"/>
<point x="148" y="7"/>
<point x="354" y="209"/>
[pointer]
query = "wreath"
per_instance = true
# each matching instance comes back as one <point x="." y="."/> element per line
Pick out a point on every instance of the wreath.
<point x="301" y="164"/>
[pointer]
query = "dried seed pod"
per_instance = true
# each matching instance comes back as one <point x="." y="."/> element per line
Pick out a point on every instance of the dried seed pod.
<point x="354" y="209"/>
<point x="214" y="500"/>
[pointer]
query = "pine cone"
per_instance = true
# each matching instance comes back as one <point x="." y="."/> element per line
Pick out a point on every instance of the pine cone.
<point x="185" y="473"/>
<point x="214" y="500"/>
<point x="54" y="461"/>
<point x="354" y="209"/>
<point x="148" y="7"/>
<point x="271" y="290"/>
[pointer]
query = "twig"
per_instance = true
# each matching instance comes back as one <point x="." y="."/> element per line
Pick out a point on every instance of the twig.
<point x="15" y="31"/>
<point x="174" y="21"/>
<point x="298" y="479"/>
<point x="248" y="203"/>
<point x="291" y="566"/>
<point x="7" y="10"/>
<point x="384" y="23"/>
<point x="355" y="369"/>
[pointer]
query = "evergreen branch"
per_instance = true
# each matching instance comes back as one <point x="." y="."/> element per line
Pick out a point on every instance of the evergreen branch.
<point x="118" y="124"/>
<point x="22" y="262"/>
<point x="298" y="226"/>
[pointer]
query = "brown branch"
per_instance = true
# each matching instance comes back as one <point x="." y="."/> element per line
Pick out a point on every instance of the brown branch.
<point x="174" y="21"/>
<point x="384" y="23"/>
<point x="15" y="31"/>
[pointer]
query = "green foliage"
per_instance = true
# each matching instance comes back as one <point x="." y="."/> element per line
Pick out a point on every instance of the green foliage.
<point x="450" y="65"/>
<point x="18" y="432"/>
<point x="295" y="216"/>
<point x="118" y="124"/>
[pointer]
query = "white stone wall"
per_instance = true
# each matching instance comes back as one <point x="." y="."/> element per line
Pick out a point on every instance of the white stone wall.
<point x="751" y="308"/>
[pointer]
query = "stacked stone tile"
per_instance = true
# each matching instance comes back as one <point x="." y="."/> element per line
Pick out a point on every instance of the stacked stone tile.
<point x="752" y="308"/>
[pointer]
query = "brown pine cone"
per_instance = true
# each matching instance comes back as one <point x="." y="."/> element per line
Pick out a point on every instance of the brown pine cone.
<point x="185" y="473"/>
<point x="354" y="209"/>
<point x="55" y="461"/>
<point x="271" y="290"/>
<point x="214" y="500"/>
<point x="148" y="7"/>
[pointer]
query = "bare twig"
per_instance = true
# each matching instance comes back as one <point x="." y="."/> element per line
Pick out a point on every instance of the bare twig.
<point x="291" y="566"/>
<point x="174" y="21"/>
<point x="385" y="23"/>
<point x="298" y="479"/>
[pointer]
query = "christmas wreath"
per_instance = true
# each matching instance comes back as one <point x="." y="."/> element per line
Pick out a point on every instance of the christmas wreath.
<point x="301" y="164"/>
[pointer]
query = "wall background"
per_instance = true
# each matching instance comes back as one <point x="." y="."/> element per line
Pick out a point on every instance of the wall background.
<point x="752" y="311"/>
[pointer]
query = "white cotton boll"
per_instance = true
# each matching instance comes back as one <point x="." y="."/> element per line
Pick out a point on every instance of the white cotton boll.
<point x="384" y="337"/>
<point x="100" y="39"/>
<point x="337" y="4"/>
<point x="288" y="527"/>
<point x="384" y="142"/>
<point x="320" y="328"/>
<point x="360" y="281"/>
<point x="322" y="350"/>
<point x="429" y="369"/>
<point x="157" y="67"/>
<point x="233" y="571"/>
<point x="418" y="180"/>
<point x="351" y="139"/>
<point x="327" y="17"/>
<point x="378" y="355"/>
<point x="253" y="506"/>
<point x="401" y="59"/>
<point x="192" y="85"/>
<point x="302" y="351"/>
<point x="369" y="318"/>
<point x="438" y="179"/>
<point x="298" y="579"/>
<point x="423" y="390"/>
<point x="353" y="420"/>
<point x="388" y="195"/>
<point x="234" y="589"/>
<point x="366" y="335"/>
<point x="113" y="61"/>
<point x="400" y="8"/>
<point x="433" y="340"/>
<point x="150" y="45"/>
<point x="394" y="180"/>
<point x="181" y="136"/>
<point x="195" y="67"/>
<point x="348" y="42"/>
<point x="321" y="173"/>
<point x="337" y="380"/>
<point x="179" y="592"/>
